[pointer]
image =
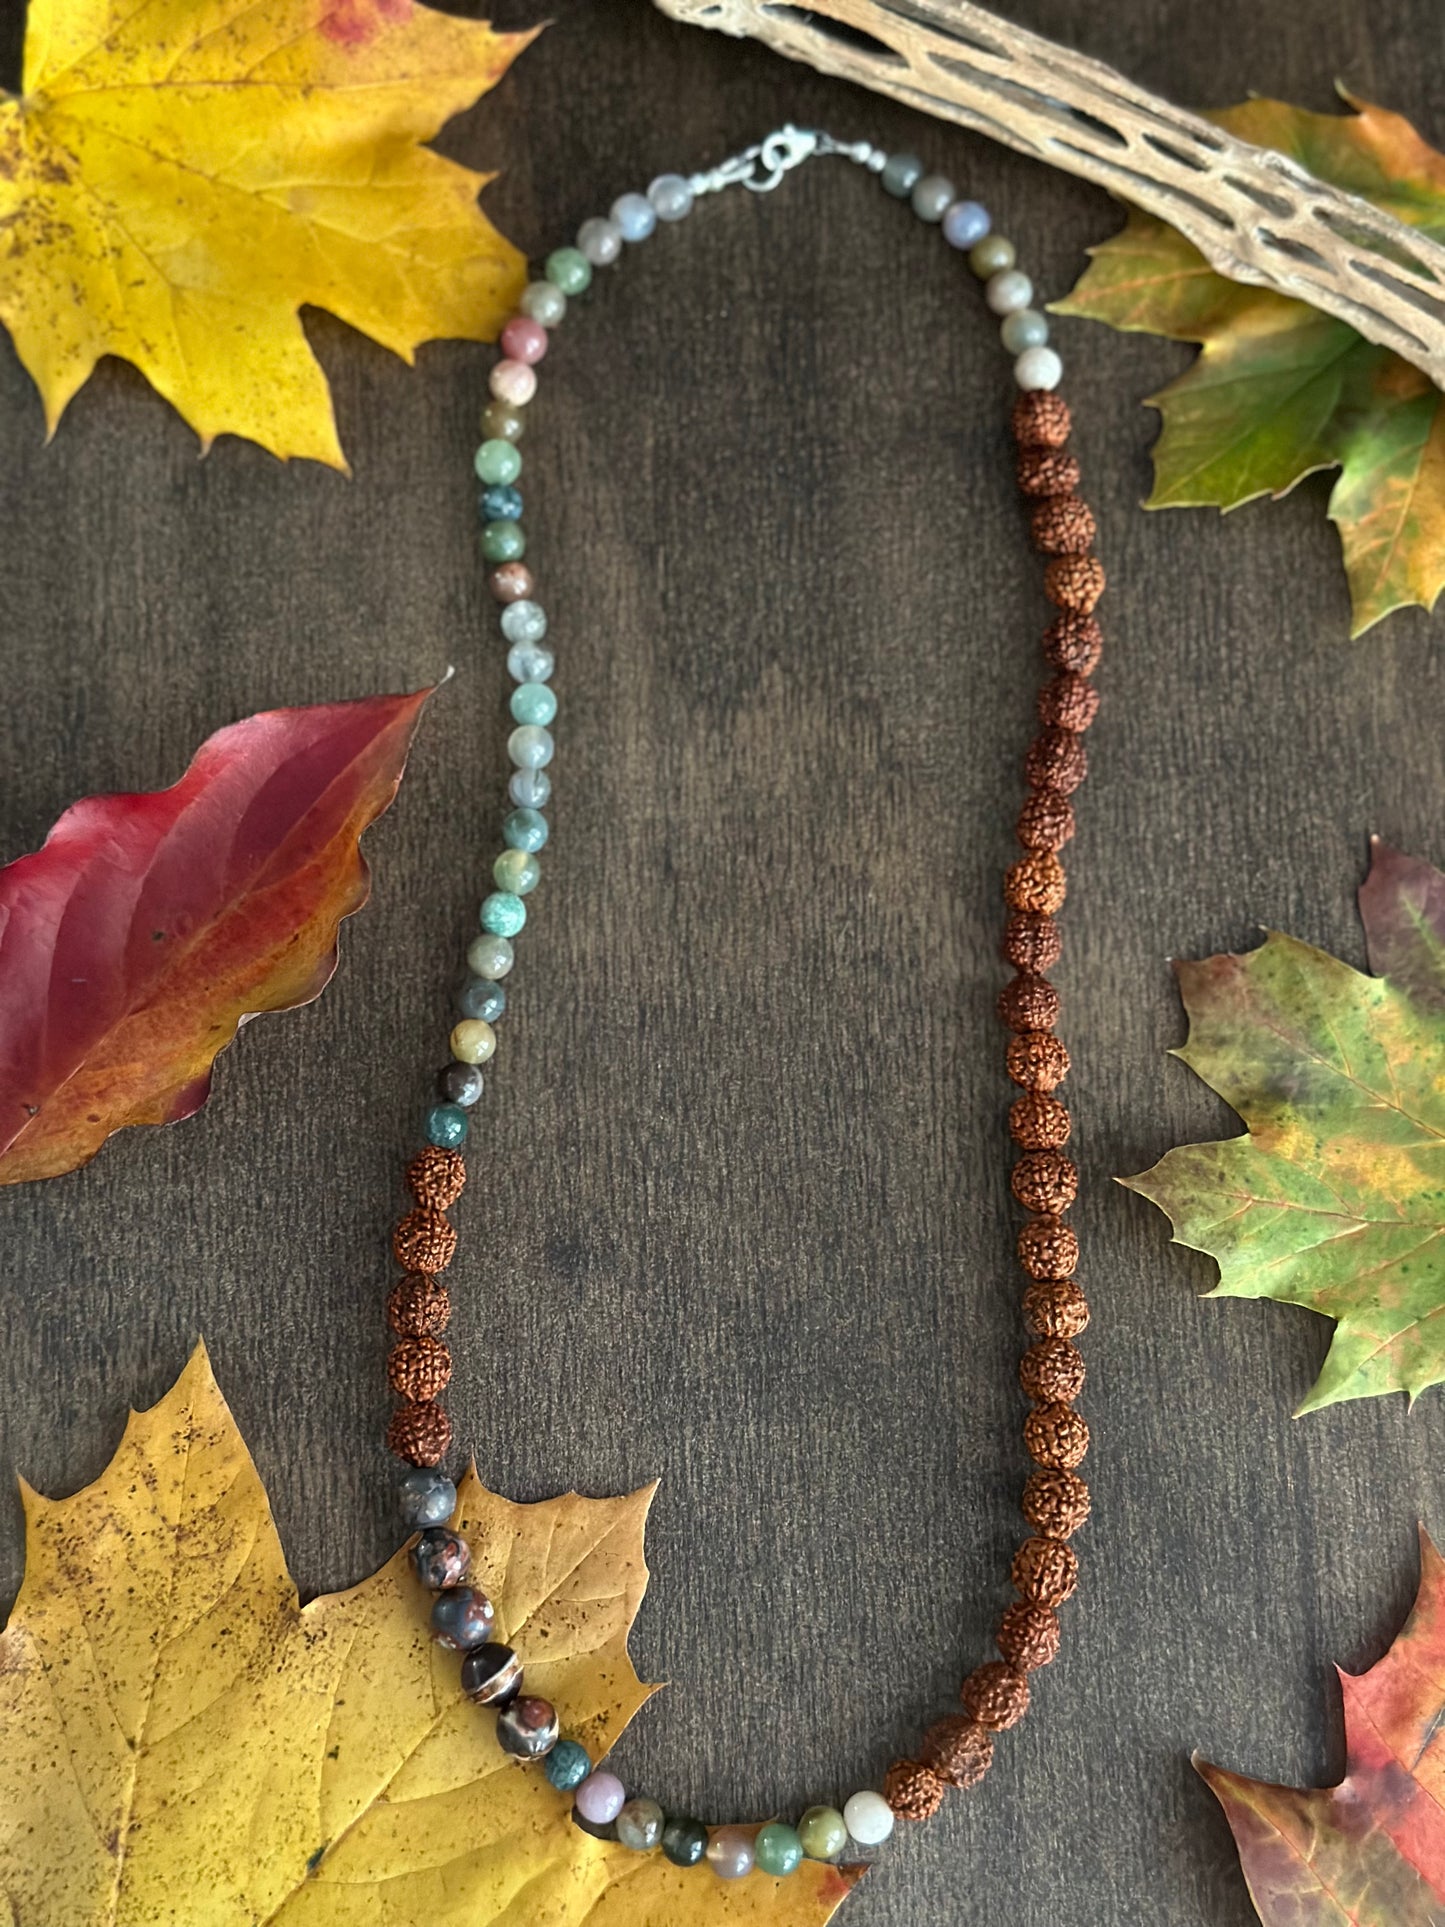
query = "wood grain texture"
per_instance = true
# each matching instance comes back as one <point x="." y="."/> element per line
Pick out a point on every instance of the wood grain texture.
<point x="739" y="1212"/>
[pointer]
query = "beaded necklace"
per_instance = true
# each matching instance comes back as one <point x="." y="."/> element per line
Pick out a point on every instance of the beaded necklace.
<point x="958" y="1749"/>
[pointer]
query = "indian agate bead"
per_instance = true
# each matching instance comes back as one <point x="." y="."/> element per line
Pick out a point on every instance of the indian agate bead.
<point x="996" y="1695"/>
<point x="499" y="503"/>
<point x="492" y="1675"/>
<point x="634" y="216"/>
<point x="503" y="541"/>
<point x="497" y="464"/>
<point x="965" y="224"/>
<point x="473" y="1041"/>
<point x="914" y="1791"/>
<point x="1025" y="328"/>
<point x="600" y="240"/>
<point x="1038" y="369"/>
<point x="527" y="1729"/>
<point x="958" y="1750"/>
<point x="503" y="423"/>
<point x="543" y="302"/>
<point x="1055" y="1308"/>
<point x="426" y="1498"/>
<point x="525" y="830"/>
<point x="490" y="956"/>
<point x="730" y="1852"/>
<point x="671" y="197"/>
<point x="570" y="270"/>
<point x="1029" y="1635"/>
<point x="512" y="582"/>
<point x="503" y="914"/>
<point x="868" y="1817"/>
<point x="440" y="1557"/>
<point x="1008" y="292"/>
<point x="932" y="197"/>
<point x="1045" y="1571"/>
<point x="684" y="1842"/>
<point x="994" y="254"/>
<point x="529" y="661"/>
<point x="822" y="1833"/>
<point x="901" y="174"/>
<point x="1055" y="1502"/>
<point x="568" y="1765"/>
<point x="639" y="1825"/>
<point x="461" y="1618"/>
<point x="516" y="871"/>
<point x="600" y="1798"/>
<point x="533" y="702"/>
<point x="524" y="622"/>
<point x="530" y="746"/>
<point x="446" y="1126"/>
<point x="529" y="788"/>
<point x="777" y="1850"/>
<point x="483" y="1000"/>
<point x="524" y="339"/>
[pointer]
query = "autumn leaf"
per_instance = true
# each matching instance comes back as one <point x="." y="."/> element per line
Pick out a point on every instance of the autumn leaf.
<point x="180" y="177"/>
<point x="182" y="1743"/>
<point x="1369" y="1852"/>
<point x="149" y="927"/>
<point x="1279" y="389"/>
<point x="1335" y="1197"/>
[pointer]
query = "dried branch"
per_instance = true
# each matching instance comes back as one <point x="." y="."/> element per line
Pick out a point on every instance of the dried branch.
<point x="1255" y="215"/>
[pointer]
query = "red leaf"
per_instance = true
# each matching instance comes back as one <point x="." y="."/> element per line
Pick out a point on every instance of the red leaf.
<point x="1369" y="1852"/>
<point x="150" y="926"/>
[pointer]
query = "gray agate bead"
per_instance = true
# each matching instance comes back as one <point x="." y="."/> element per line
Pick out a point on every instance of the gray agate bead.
<point x="527" y="1729"/>
<point x="639" y="1825"/>
<point x="440" y="1557"/>
<point x="427" y="1498"/>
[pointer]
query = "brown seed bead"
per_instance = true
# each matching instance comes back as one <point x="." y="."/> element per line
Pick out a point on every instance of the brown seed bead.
<point x="996" y="1694"/>
<point x="1036" y="882"/>
<point x="1029" y="1002"/>
<point x="437" y="1177"/>
<point x="1057" y="1436"/>
<point x="1032" y="942"/>
<point x="1048" y="1248"/>
<point x="1046" y="471"/>
<point x="1055" y="1308"/>
<point x="1075" y="642"/>
<point x="1038" y="1060"/>
<point x="424" y="1240"/>
<point x="1068" y="702"/>
<point x="1045" y="1181"/>
<point x="1045" y="1571"/>
<point x="418" y="1368"/>
<point x="1028" y="1635"/>
<point x="1075" y="582"/>
<point x="418" y="1306"/>
<point x="1057" y="759"/>
<point x="914" y="1791"/>
<point x="1052" y="1371"/>
<point x="1046" y="821"/>
<point x="1063" y="526"/>
<point x="958" y="1749"/>
<point x="1055" y="1503"/>
<point x="1041" y="419"/>
<point x="419" y="1433"/>
<point x="1039" y="1123"/>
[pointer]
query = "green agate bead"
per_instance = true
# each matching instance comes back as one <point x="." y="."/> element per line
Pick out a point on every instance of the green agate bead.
<point x="525" y="830"/>
<point x="994" y="254"/>
<point x="533" y="702"/>
<point x="503" y="913"/>
<point x="503" y="541"/>
<point x="777" y="1849"/>
<point x="497" y="463"/>
<point x="517" y="871"/>
<point x="822" y="1833"/>
<point x="570" y="270"/>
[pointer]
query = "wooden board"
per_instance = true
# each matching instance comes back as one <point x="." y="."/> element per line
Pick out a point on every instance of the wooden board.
<point x="739" y="1212"/>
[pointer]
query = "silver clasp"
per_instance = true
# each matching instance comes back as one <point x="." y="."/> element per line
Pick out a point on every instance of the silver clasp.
<point x="760" y="168"/>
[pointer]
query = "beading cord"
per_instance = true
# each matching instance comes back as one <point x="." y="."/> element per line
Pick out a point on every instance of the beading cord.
<point x="958" y="1749"/>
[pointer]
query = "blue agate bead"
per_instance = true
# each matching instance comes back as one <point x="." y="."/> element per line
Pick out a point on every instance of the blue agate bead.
<point x="440" y="1557"/>
<point x="500" y="504"/>
<point x="482" y="998"/>
<point x="462" y="1618"/>
<point x="426" y="1497"/>
<point x="446" y="1126"/>
<point x="525" y="830"/>
<point x="567" y="1765"/>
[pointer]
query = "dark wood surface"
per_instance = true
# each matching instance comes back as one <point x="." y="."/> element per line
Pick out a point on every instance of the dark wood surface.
<point x="739" y="1212"/>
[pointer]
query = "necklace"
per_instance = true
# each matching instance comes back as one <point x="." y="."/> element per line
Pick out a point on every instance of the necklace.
<point x="958" y="1749"/>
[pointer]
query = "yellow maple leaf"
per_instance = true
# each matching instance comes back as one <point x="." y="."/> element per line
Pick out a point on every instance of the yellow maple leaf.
<point x="180" y="177"/>
<point x="183" y="1744"/>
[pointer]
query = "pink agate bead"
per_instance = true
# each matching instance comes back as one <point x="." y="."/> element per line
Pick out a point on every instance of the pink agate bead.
<point x="600" y="1798"/>
<point x="524" y="339"/>
<point x="514" y="382"/>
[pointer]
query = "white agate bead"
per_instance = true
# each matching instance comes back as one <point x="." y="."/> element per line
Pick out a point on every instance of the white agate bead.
<point x="868" y="1817"/>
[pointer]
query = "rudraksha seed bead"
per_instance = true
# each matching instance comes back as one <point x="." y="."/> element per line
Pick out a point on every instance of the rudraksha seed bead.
<point x="1041" y="419"/>
<point x="1048" y="1248"/>
<point x="436" y="1177"/>
<point x="1073" y="641"/>
<point x="1056" y="1436"/>
<point x="1047" y="471"/>
<point x="1056" y="759"/>
<point x="1052" y="1371"/>
<point x="1075" y="582"/>
<point x="1039" y="1122"/>
<point x="424" y="1240"/>
<point x="1028" y="1635"/>
<point x="419" y="1433"/>
<point x="1046" y="1182"/>
<point x="1063" y="526"/>
<point x="996" y="1694"/>
<point x="1032" y="941"/>
<point x="1038" y="1060"/>
<point x="1036" y="882"/>
<point x="419" y="1368"/>
<point x="1055" y="1502"/>
<point x="1029" y="1002"/>
<point x="958" y="1749"/>
<point x="1046" y="820"/>
<point x="1068" y="702"/>
<point x="1055" y="1308"/>
<point x="914" y="1791"/>
<point x="418" y="1306"/>
<point x="1045" y="1571"/>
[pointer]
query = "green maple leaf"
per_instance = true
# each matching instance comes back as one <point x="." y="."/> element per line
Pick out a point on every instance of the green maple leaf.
<point x="1279" y="389"/>
<point x="1335" y="1197"/>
